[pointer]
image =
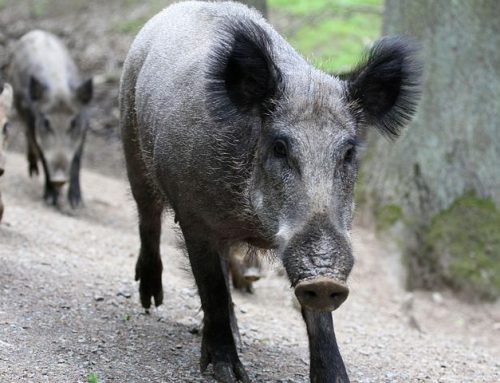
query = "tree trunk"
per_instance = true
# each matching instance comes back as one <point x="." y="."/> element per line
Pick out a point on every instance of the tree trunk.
<point x="438" y="188"/>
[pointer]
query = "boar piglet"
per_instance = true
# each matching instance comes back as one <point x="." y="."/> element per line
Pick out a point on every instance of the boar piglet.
<point x="5" y="107"/>
<point x="225" y="124"/>
<point x="52" y="101"/>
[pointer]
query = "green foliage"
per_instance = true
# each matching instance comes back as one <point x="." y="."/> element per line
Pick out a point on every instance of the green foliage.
<point x="466" y="239"/>
<point x="92" y="378"/>
<point x="40" y="7"/>
<point x="333" y="34"/>
<point x="306" y="7"/>
<point x="131" y="26"/>
<point x="386" y="216"/>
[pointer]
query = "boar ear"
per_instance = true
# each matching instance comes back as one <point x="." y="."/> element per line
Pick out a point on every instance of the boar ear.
<point x="36" y="89"/>
<point x="385" y="88"/>
<point x="242" y="76"/>
<point x="85" y="91"/>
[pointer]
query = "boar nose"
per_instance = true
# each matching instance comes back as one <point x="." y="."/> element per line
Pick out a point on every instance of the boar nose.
<point x="1" y="171"/>
<point x="58" y="180"/>
<point x="321" y="294"/>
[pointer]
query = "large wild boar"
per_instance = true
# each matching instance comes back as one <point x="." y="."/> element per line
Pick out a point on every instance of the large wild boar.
<point x="52" y="100"/>
<point x="5" y="106"/>
<point x="225" y="124"/>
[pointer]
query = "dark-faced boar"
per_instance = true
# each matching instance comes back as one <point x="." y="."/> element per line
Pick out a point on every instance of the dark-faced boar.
<point x="52" y="100"/>
<point x="224" y="123"/>
<point x="5" y="107"/>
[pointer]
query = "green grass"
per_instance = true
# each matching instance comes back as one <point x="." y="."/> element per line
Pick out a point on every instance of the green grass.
<point x="92" y="378"/>
<point x="332" y="34"/>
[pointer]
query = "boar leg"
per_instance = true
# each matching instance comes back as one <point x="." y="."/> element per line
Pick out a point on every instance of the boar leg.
<point x="74" y="192"/>
<point x="148" y="268"/>
<point x="150" y="206"/>
<point x="50" y="194"/>
<point x="29" y="122"/>
<point x="226" y="267"/>
<point x="218" y="346"/>
<point x="32" y="161"/>
<point x="326" y="363"/>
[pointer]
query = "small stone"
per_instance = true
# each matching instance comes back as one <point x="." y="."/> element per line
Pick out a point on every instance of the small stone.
<point x="124" y="293"/>
<point x="437" y="298"/>
<point x="98" y="298"/>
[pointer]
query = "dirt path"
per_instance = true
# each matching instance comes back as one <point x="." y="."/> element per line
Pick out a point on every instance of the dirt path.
<point x="69" y="306"/>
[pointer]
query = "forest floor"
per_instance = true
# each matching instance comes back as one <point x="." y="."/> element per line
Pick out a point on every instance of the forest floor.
<point x="69" y="308"/>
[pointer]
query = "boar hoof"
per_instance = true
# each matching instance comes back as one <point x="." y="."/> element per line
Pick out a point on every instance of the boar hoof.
<point x="150" y="283"/>
<point x="225" y="371"/>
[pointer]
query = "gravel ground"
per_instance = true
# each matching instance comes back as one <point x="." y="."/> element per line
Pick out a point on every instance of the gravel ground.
<point x="69" y="307"/>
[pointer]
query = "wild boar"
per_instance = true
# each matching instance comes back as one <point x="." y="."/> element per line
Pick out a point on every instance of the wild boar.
<point x="52" y="100"/>
<point x="226" y="124"/>
<point x="5" y="107"/>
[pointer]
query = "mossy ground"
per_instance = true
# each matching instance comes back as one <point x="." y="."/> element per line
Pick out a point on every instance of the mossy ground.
<point x="465" y="239"/>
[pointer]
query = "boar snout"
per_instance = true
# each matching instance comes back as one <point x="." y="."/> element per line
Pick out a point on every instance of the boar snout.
<point x="321" y="294"/>
<point x="58" y="180"/>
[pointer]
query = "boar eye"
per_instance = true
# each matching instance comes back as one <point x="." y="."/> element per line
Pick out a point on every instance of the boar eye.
<point x="349" y="155"/>
<point x="6" y="128"/>
<point x="46" y="125"/>
<point x="279" y="148"/>
<point x="73" y="128"/>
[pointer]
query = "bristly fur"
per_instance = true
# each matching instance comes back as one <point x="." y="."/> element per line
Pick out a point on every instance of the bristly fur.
<point x="385" y="87"/>
<point x="241" y="74"/>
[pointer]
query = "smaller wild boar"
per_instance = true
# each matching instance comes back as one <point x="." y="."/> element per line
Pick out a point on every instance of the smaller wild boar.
<point x="5" y="106"/>
<point x="52" y="101"/>
<point x="244" y="268"/>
